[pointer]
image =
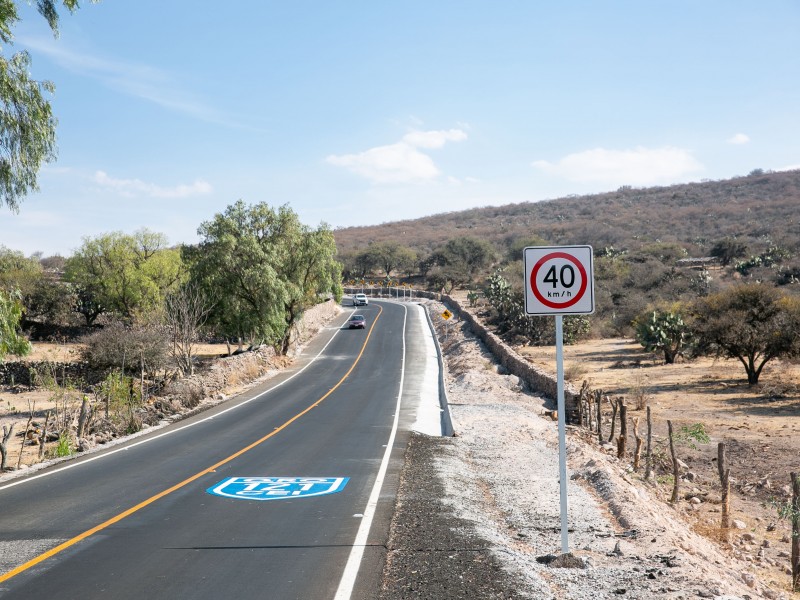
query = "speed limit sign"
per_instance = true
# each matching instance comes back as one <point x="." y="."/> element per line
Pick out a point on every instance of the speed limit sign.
<point x="559" y="280"/>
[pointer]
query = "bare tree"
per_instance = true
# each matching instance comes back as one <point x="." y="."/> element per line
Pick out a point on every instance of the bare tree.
<point x="186" y="313"/>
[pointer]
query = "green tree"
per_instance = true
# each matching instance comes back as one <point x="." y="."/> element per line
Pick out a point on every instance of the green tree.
<point x="261" y="268"/>
<point x="753" y="323"/>
<point x="463" y="257"/>
<point x="363" y="264"/>
<point x="44" y="298"/>
<point x="390" y="256"/>
<point x="27" y="124"/>
<point x="17" y="271"/>
<point x="310" y="272"/>
<point x="517" y="246"/>
<point x="664" y="331"/>
<point x="51" y="301"/>
<point x="129" y="275"/>
<point x="11" y="339"/>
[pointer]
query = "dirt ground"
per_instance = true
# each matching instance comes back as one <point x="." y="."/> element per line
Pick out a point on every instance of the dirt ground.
<point x="760" y="426"/>
<point x="17" y="403"/>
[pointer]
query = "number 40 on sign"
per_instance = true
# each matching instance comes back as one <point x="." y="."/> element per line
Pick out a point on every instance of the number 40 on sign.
<point x="559" y="280"/>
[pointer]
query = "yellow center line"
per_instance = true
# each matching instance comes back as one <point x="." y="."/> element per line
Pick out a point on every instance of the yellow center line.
<point x="116" y="519"/>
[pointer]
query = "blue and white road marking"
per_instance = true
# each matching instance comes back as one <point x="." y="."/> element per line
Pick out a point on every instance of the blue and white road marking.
<point x="277" y="488"/>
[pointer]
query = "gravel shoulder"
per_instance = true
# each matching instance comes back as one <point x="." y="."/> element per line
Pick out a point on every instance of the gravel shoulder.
<point x="478" y="515"/>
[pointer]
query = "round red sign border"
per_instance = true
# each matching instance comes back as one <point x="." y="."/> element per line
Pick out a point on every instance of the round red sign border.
<point x="573" y="260"/>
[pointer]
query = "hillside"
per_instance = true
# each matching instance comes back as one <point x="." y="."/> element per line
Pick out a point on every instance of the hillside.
<point x="758" y="209"/>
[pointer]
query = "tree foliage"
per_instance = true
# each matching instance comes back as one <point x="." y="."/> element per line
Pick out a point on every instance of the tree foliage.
<point x="464" y="256"/>
<point x="388" y="257"/>
<point x="129" y="275"/>
<point x="753" y="323"/>
<point x="27" y="124"/>
<point x="17" y="271"/>
<point x="261" y="268"/>
<point x="44" y="298"/>
<point x="11" y="339"/>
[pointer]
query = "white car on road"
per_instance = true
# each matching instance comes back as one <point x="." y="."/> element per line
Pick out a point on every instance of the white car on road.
<point x="360" y="300"/>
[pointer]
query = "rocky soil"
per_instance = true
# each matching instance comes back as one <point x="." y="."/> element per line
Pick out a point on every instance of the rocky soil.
<point x="495" y="532"/>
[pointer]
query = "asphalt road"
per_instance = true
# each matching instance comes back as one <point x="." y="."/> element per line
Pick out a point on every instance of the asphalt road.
<point x="139" y="521"/>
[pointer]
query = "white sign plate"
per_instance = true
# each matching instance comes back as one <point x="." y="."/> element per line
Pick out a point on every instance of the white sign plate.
<point x="559" y="280"/>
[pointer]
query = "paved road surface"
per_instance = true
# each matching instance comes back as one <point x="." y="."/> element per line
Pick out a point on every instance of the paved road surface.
<point x="140" y="523"/>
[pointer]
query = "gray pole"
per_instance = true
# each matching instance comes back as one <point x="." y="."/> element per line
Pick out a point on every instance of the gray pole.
<point x="562" y="432"/>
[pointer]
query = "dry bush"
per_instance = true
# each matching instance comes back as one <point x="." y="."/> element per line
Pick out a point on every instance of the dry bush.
<point x="189" y="394"/>
<point x="639" y="393"/>
<point x="575" y="371"/>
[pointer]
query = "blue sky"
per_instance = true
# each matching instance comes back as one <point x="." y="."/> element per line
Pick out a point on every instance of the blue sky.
<point x="359" y="113"/>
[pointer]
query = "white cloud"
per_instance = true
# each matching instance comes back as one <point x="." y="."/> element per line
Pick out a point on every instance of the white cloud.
<point x="739" y="139"/>
<point x="640" y="166"/>
<point x="134" y="79"/>
<point x="136" y="187"/>
<point x="402" y="162"/>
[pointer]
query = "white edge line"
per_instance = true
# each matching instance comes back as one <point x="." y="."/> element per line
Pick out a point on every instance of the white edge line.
<point x="171" y="431"/>
<point x="348" y="580"/>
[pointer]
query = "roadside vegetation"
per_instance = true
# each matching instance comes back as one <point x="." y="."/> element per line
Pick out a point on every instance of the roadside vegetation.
<point x="136" y="308"/>
<point x="675" y="267"/>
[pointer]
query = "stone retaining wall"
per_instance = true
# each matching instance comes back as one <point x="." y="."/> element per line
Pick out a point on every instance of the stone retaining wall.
<point x="535" y="378"/>
<point x="20" y="372"/>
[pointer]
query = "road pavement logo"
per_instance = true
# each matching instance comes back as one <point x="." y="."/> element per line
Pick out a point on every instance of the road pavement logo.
<point x="277" y="488"/>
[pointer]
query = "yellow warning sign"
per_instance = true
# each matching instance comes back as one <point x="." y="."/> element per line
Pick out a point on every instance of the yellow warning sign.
<point x="446" y="315"/>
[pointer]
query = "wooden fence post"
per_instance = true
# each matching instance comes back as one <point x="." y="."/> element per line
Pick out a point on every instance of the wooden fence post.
<point x="4" y="446"/>
<point x="648" y="459"/>
<point x="725" y="482"/>
<point x="637" y="453"/>
<point x="622" y="441"/>
<point x="675" y="469"/>
<point x="598" y="396"/>
<point x="795" y="532"/>
<point x="43" y="437"/>
<point x="614" y="407"/>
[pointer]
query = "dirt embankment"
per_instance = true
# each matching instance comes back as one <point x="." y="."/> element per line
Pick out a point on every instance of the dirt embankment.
<point x="760" y="426"/>
<point x="218" y="377"/>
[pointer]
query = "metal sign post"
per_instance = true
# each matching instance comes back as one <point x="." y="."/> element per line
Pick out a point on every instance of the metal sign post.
<point x="562" y="433"/>
<point x="446" y="315"/>
<point x="559" y="281"/>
